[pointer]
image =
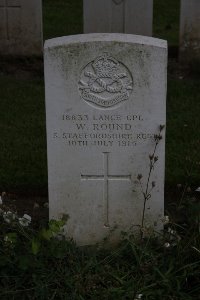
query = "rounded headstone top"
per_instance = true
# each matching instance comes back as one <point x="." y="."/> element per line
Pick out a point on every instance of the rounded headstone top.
<point x="105" y="37"/>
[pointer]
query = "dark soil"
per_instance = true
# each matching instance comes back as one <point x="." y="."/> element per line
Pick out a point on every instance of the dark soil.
<point x="22" y="68"/>
<point x="36" y="207"/>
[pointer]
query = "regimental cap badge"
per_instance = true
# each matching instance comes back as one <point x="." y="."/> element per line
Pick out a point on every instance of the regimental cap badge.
<point x="105" y="82"/>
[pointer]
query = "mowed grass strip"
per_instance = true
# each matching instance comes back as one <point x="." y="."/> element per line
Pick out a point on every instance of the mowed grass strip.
<point x="23" y="137"/>
<point x="183" y="131"/>
<point x="166" y="20"/>
<point x="62" y="17"/>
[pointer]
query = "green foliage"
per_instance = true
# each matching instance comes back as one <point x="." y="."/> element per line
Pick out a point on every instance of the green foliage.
<point x="23" y="138"/>
<point x="62" y="17"/>
<point x="42" y="264"/>
<point x="183" y="131"/>
<point x="166" y="20"/>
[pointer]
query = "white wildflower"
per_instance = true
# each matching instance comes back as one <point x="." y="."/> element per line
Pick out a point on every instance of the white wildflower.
<point x="171" y="231"/>
<point x="167" y="245"/>
<point x="7" y="239"/>
<point x="138" y="296"/>
<point x="9" y="217"/>
<point x="173" y="236"/>
<point x="165" y="220"/>
<point x="25" y="220"/>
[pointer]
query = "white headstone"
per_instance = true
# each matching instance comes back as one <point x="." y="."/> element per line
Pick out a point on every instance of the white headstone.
<point x="105" y="101"/>
<point x="190" y="30"/>
<point x="120" y="16"/>
<point x="21" y="27"/>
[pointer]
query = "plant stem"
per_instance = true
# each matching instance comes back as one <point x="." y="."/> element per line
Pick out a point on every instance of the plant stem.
<point x="147" y="194"/>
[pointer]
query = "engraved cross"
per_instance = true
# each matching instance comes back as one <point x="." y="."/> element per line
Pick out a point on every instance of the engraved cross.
<point x="106" y="177"/>
<point x="6" y="5"/>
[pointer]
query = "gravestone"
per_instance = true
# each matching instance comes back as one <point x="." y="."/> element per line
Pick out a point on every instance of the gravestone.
<point x="20" y="27"/>
<point x="190" y="31"/>
<point x="105" y="101"/>
<point x="120" y="16"/>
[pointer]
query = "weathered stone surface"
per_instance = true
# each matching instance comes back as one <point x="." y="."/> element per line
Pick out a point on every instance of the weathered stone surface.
<point x="105" y="101"/>
<point x="120" y="16"/>
<point x="20" y="27"/>
<point x="190" y="31"/>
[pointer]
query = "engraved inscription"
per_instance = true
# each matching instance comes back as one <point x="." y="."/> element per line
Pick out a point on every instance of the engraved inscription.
<point x="103" y="130"/>
<point x="10" y="18"/>
<point x="105" y="82"/>
<point x="106" y="177"/>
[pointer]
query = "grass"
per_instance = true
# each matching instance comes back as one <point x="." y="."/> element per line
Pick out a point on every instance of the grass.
<point x="166" y="20"/>
<point x="183" y="131"/>
<point x="23" y="163"/>
<point x="166" y="268"/>
<point x="62" y="17"/>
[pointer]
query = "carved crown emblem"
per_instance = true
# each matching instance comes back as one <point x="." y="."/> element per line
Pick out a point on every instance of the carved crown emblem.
<point x="105" y="82"/>
<point x="105" y="65"/>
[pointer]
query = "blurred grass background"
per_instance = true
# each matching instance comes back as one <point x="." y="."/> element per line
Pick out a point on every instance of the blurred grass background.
<point x="65" y="17"/>
<point x="23" y="163"/>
